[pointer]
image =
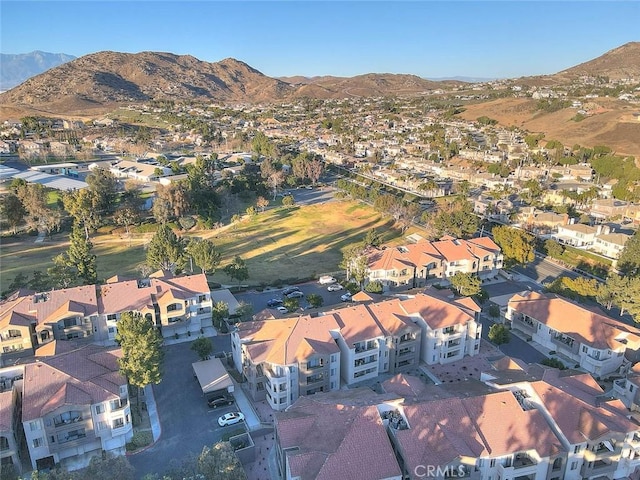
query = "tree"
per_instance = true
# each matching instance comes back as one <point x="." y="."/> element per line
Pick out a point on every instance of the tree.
<point x="466" y="284"/>
<point x="166" y="250"/>
<point x="314" y="170"/>
<point x="262" y="203"/>
<point x="237" y="270"/>
<point x="273" y="174"/>
<point x="498" y="334"/>
<point x="81" y="206"/>
<point x="13" y="211"/>
<point x="608" y="291"/>
<point x="61" y="274"/>
<point x="629" y="261"/>
<point x="220" y="463"/>
<point x="79" y="255"/>
<point x="219" y="312"/>
<point x="129" y="212"/>
<point x="517" y="245"/>
<point x="372" y="238"/>
<point x="456" y="219"/>
<point x="291" y="304"/>
<point x="141" y="344"/>
<point x="553" y="248"/>
<point x="103" y="186"/>
<point x="288" y="201"/>
<point x="162" y="205"/>
<point x="204" y="254"/>
<point x="244" y="310"/>
<point x="315" y="300"/>
<point x="203" y="347"/>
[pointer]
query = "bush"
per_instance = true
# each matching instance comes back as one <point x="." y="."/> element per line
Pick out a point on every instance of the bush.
<point x="494" y="311"/>
<point x="374" y="287"/>
<point x="186" y="222"/>
<point x="499" y="334"/>
<point x="139" y="440"/>
<point x="553" y="362"/>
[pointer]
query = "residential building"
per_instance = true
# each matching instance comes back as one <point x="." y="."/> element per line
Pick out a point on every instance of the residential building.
<point x="587" y="337"/>
<point x="611" y="244"/>
<point x="176" y="305"/>
<point x="627" y="389"/>
<point x="317" y="438"/>
<point x="481" y="437"/>
<point x="75" y="406"/>
<point x="415" y="264"/>
<point x="283" y="359"/>
<point x="579" y="235"/>
<point x="608" y="208"/>
<point x="10" y="430"/>
<point x="596" y="432"/>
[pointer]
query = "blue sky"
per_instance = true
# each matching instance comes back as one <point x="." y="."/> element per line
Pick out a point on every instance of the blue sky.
<point x="430" y="39"/>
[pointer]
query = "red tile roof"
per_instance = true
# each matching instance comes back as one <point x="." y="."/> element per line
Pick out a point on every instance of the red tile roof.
<point x="336" y="441"/>
<point x="6" y="411"/>
<point x="83" y="376"/>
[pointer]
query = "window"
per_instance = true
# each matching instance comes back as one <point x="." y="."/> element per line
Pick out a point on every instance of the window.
<point x="112" y="330"/>
<point x="118" y="422"/>
<point x="492" y="463"/>
<point x="112" y="317"/>
<point x="37" y="442"/>
<point x="574" y="465"/>
<point x="576" y="449"/>
<point x="173" y="307"/>
<point x="584" y="349"/>
<point x="99" y="409"/>
<point x="35" y="425"/>
<point x="202" y="298"/>
<point x="102" y="425"/>
<point x="14" y="334"/>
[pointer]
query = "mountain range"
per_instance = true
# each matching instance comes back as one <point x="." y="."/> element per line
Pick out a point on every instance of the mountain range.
<point x="106" y="79"/>
<point x="16" y="68"/>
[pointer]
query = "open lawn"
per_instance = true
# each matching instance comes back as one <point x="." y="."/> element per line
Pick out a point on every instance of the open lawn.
<point x="295" y="243"/>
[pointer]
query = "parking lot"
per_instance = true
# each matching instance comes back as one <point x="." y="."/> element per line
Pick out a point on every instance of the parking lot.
<point x="187" y="422"/>
<point x="259" y="299"/>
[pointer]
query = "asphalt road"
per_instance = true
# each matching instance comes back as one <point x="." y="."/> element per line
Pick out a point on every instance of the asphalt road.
<point x="542" y="271"/>
<point x="516" y="348"/>
<point x="187" y="422"/>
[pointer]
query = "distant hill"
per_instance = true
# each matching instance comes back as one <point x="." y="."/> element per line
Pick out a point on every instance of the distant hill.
<point x="621" y="62"/>
<point x="108" y="78"/>
<point x="16" y="68"/>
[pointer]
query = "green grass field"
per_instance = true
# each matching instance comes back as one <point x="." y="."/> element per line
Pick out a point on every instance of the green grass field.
<point x="296" y="243"/>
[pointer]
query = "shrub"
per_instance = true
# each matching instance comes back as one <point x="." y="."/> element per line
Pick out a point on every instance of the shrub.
<point x="494" y="311"/>
<point x="374" y="287"/>
<point x="554" y="363"/>
<point x="499" y="334"/>
<point x="139" y="440"/>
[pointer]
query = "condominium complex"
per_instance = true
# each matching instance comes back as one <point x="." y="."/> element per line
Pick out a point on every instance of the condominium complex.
<point x="283" y="359"/>
<point x="424" y="261"/>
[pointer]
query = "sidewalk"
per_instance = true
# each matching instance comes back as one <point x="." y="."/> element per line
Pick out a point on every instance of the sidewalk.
<point x="152" y="410"/>
<point x="251" y="417"/>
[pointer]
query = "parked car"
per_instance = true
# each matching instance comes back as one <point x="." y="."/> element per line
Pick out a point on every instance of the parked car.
<point x="326" y="279"/>
<point x="230" y="419"/>
<point x="282" y="309"/>
<point x="295" y="294"/>
<point x="290" y="290"/>
<point x="274" y="302"/>
<point x="334" y="287"/>
<point x="346" y="297"/>
<point x="219" y="401"/>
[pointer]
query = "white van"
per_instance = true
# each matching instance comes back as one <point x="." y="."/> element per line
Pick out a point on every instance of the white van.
<point x="326" y="280"/>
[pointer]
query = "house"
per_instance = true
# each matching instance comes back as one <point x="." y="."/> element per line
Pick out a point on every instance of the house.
<point x="75" y="406"/>
<point x="627" y="389"/>
<point x="579" y="235"/>
<point x="540" y="222"/>
<point x="417" y="263"/>
<point x="611" y="244"/>
<point x="141" y="171"/>
<point x="608" y="208"/>
<point x="317" y="438"/>
<point x="595" y="342"/>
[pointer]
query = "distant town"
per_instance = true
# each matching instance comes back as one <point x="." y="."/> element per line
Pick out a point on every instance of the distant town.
<point x="360" y="288"/>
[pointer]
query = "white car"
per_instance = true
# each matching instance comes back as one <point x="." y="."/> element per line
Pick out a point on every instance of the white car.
<point x="326" y="279"/>
<point x="230" y="419"/>
<point x="282" y="309"/>
<point x="346" y="297"/>
<point x="335" y="287"/>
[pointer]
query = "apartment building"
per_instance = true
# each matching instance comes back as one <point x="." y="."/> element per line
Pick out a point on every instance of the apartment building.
<point x="75" y="406"/>
<point x="283" y="359"/>
<point x="317" y="438"/>
<point x="286" y="358"/>
<point x="596" y="433"/>
<point x="579" y="235"/>
<point x="610" y="245"/>
<point x="415" y="264"/>
<point x="627" y="389"/>
<point x="10" y="431"/>
<point x="481" y="437"/>
<point x="30" y="320"/>
<point x="592" y="340"/>
<point x="175" y="304"/>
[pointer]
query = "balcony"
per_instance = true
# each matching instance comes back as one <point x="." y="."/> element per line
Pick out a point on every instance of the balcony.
<point x="67" y="418"/>
<point x="520" y="466"/>
<point x="599" y="467"/>
<point x="72" y="439"/>
<point x="365" y="347"/>
<point x="364" y="361"/>
<point x="409" y="337"/>
<point x="453" y="343"/>
<point x="118" y="404"/>
<point x="524" y="324"/>
<point x="602" y="453"/>
<point x="405" y="351"/>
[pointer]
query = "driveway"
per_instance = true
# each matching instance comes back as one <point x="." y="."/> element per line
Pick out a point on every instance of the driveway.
<point x="187" y="423"/>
